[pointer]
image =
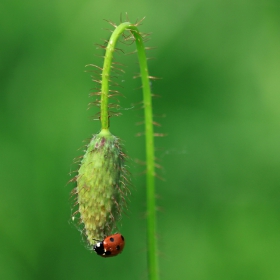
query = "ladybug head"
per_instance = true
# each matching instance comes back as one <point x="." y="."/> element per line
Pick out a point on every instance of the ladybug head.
<point x="99" y="248"/>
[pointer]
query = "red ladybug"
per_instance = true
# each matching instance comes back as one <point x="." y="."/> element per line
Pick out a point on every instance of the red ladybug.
<point x="110" y="246"/>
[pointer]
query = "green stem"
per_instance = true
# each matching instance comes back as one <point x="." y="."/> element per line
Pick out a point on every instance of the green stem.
<point x="149" y="132"/>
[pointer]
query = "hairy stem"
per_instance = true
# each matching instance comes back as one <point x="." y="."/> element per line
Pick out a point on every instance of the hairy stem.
<point x="149" y="132"/>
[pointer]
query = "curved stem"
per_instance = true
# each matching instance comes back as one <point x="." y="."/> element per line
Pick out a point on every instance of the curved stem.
<point x="106" y="73"/>
<point x="149" y="132"/>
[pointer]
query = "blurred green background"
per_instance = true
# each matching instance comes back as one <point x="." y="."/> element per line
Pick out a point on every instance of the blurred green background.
<point x="219" y="204"/>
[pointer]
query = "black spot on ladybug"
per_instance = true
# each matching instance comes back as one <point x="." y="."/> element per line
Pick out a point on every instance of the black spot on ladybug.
<point x="118" y="247"/>
<point x="112" y="239"/>
<point x="122" y="237"/>
<point x="107" y="253"/>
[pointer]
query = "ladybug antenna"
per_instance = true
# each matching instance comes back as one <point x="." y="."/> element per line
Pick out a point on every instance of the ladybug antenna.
<point x="97" y="240"/>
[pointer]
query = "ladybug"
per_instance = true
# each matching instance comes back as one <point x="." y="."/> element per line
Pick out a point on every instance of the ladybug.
<point x="110" y="246"/>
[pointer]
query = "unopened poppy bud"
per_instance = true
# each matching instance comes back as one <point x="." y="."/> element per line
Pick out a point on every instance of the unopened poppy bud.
<point x="101" y="187"/>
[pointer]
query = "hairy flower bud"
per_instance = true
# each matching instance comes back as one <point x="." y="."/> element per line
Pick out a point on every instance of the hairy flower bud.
<point x="101" y="186"/>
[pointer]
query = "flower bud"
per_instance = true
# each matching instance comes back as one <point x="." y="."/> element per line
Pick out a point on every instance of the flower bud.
<point x="101" y="186"/>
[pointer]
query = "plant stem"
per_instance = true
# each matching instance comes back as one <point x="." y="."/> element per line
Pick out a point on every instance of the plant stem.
<point x="149" y="132"/>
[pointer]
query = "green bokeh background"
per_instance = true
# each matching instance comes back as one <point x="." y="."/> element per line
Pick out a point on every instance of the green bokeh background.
<point x="219" y="210"/>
